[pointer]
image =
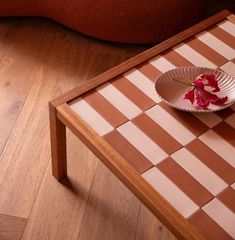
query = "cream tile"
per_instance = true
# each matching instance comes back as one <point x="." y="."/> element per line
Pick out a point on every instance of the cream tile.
<point x="178" y="199"/>
<point x="143" y="83"/>
<point x="220" y="146"/>
<point x="89" y="115"/>
<point x="210" y="119"/>
<point x="198" y="170"/>
<point x="142" y="142"/>
<point x="170" y="124"/>
<point x="228" y="27"/>
<point x="229" y="67"/>
<point x="221" y="215"/>
<point x="162" y="64"/>
<point x="193" y="56"/>
<point x="217" y="45"/>
<point x="119" y="100"/>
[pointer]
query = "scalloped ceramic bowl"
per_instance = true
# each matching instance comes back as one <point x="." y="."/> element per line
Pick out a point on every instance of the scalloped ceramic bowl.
<point x="172" y="92"/>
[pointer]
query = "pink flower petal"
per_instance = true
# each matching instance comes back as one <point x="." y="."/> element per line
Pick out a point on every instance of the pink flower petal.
<point x="211" y="97"/>
<point x="222" y="100"/>
<point x="190" y="95"/>
<point x="199" y="83"/>
<point x="211" y="81"/>
<point x="202" y="100"/>
<point x="215" y="99"/>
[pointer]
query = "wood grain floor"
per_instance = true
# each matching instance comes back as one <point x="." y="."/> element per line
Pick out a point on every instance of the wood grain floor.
<point x="40" y="60"/>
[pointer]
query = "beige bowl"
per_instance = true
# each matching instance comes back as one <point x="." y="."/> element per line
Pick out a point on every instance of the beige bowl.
<point x="172" y="92"/>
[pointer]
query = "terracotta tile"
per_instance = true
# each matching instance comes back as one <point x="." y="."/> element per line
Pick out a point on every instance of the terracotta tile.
<point x="233" y="105"/>
<point x="222" y="215"/>
<point x="133" y="93"/>
<point x="219" y="145"/>
<point x="208" y="227"/>
<point x="226" y="132"/>
<point x="198" y="170"/>
<point x="225" y="113"/>
<point x="185" y="182"/>
<point x="142" y="142"/>
<point x="205" y="50"/>
<point x="156" y="133"/>
<point x="119" y="100"/>
<point x="137" y="160"/>
<point x="212" y="160"/>
<point x="174" y="195"/>
<point x="176" y="59"/>
<point x="223" y="36"/>
<point x="227" y="197"/>
<point x="105" y="108"/>
<point x="149" y="71"/>
<point x="187" y="119"/>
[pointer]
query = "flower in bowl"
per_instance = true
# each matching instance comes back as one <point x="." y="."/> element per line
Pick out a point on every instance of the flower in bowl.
<point x="202" y="95"/>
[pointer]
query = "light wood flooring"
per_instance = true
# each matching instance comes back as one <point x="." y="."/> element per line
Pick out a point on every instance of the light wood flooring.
<point x="40" y="60"/>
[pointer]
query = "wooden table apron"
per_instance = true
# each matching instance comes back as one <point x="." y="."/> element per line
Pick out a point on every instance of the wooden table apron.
<point x="62" y="116"/>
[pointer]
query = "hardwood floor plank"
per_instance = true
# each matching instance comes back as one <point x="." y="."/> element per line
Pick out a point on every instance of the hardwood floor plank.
<point x="58" y="210"/>
<point x="149" y="227"/>
<point x="112" y="211"/>
<point x="18" y="68"/>
<point x="8" y="28"/>
<point x="11" y="228"/>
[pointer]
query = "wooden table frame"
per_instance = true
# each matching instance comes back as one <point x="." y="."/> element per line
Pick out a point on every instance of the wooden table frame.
<point x="62" y="116"/>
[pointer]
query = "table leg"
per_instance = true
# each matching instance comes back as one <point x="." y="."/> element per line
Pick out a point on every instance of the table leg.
<point x="58" y="145"/>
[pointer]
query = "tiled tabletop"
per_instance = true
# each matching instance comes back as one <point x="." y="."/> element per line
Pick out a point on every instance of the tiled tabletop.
<point x="188" y="158"/>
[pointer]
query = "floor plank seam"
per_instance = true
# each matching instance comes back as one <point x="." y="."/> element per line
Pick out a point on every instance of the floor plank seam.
<point x="40" y="186"/>
<point x="17" y="29"/>
<point x="5" y="215"/>
<point x="140" y="206"/>
<point x="22" y="234"/>
<point x="12" y="227"/>
<point x="93" y="181"/>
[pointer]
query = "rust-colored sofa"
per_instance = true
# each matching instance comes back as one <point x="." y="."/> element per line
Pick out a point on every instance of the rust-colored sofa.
<point x="132" y="21"/>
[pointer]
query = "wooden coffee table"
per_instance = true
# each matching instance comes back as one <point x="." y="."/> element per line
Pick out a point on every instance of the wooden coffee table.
<point x="180" y="165"/>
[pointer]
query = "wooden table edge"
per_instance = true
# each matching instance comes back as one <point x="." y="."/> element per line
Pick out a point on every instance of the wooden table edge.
<point x="138" y="59"/>
<point x="128" y="175"/>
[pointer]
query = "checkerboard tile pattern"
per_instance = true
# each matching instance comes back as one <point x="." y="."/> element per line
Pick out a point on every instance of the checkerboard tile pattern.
<point x="188" y="158"/>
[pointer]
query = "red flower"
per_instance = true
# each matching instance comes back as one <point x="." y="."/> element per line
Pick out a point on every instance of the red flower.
<point x="203" y="97"/>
